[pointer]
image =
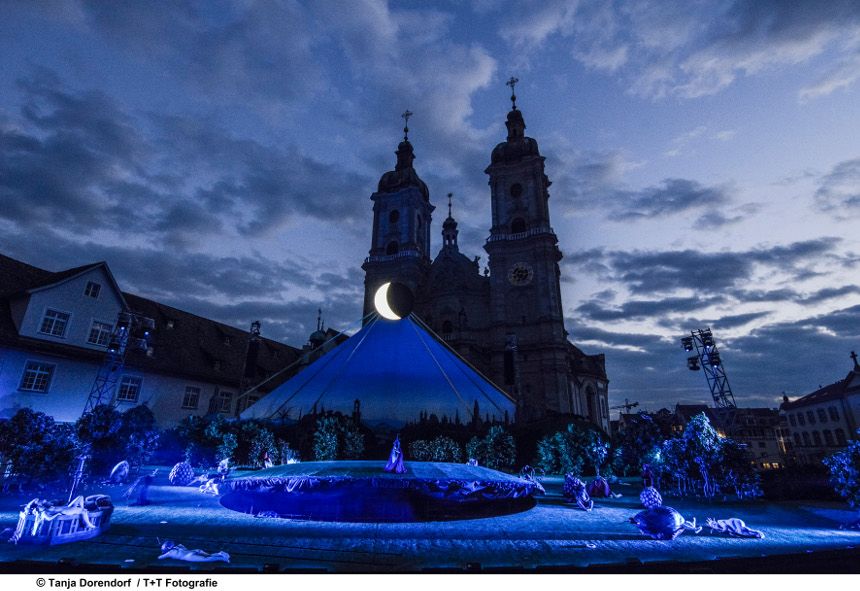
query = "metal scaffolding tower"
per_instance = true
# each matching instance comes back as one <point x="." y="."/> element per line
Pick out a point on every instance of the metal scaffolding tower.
<point x="132" y="331"/>
<point x="707" y="358"/>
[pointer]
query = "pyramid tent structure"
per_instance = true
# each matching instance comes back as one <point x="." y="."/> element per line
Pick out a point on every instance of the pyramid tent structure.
<point x="396" y="369"/>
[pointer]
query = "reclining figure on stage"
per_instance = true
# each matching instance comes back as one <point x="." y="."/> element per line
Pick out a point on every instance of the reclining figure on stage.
<point x="44" y="511"/>
<point x="170" y="549"/>
<point x="574" y="490"/>
<point x="734" y="527"/>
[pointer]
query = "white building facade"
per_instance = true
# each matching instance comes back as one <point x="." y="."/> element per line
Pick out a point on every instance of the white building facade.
<point x="55" y="328"/>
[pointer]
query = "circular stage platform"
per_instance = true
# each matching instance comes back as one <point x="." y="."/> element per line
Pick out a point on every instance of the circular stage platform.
<point x="361" y="491"/>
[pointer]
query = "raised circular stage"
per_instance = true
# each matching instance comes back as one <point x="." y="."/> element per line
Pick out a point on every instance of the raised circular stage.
<point x="361" y="491"/>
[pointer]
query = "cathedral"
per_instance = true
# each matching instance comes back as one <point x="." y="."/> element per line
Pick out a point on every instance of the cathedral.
<point x="508" y="321"/>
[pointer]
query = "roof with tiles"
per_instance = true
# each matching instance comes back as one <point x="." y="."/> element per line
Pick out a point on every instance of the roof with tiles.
<point x="833" y="391"/>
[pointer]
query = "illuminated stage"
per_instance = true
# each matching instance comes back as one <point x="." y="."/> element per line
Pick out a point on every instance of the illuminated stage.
<point x="361" y="491"/>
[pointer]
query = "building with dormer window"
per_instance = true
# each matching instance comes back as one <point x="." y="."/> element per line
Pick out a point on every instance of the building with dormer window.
<point x="54" y="332"/>
<point x="823" y="421"/>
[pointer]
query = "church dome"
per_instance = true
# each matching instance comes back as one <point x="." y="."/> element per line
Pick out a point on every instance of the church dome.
<point x="517" y="145"/>
<point x="512" y="151"/>
<point x="317" y="338"/>
<point x="403" y="175"/>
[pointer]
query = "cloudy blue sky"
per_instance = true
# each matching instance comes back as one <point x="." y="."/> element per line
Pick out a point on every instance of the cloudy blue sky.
<point x="705" y="159"/>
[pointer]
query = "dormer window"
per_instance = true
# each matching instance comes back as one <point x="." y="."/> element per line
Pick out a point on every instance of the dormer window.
<point x="100" y="333"/>
<point x="54" y="323"/>
<point x="92" y="290"/>
<point x="171" y="323"/>
<point x="227" y="340"/>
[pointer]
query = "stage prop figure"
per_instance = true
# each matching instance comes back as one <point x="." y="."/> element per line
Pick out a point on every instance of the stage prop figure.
<point x="472" y="462"/>
<point x="650" y="498"/>
<point x="395" y="459"/>
<point x="734" y="527"/>
<point x="181" y="474"/>
<point x="599" y="488"/>
<point x="43" y="522"/>
<point x="179" y="552"/>
<point x="141" y="488"/>
<point x="119" y="474"/>
<point x="647" y="476"/>
<point x="663" y="523"/>
<point x="44" y="512"/>
<point x="574" y="491"/>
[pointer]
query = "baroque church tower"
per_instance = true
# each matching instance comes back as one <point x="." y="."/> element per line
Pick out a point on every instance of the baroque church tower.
<point x="508" y="321"/>
<point x="527" y="323"/>
<point x="400" y="247"/>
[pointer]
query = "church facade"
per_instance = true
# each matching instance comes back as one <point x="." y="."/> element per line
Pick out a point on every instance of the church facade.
<point x="508" y="322"/>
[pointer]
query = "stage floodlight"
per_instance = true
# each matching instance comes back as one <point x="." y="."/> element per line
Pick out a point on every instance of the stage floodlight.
<point x="693" y="363"/>
<point x="687" y="343"/>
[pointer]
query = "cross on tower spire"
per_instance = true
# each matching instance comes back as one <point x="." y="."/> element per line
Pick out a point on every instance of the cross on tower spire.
<point x="512" y="82"/>
<point x="406" y="115"/>
<point x="854" y="359"/>
<point x="449" y="203"/>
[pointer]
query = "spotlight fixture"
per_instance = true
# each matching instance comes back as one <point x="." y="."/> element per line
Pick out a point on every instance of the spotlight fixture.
<point x="707" y="358"/>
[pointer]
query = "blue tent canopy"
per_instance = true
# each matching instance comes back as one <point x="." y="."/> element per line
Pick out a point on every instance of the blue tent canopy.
<point x="397" y="369"/>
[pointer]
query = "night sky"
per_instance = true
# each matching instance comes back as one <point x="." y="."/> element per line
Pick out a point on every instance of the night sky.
<point x="220" y="156"/>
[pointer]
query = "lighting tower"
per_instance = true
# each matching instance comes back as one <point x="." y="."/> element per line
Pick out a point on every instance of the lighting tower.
<point x="707" y="358"/>
<point x="131" y="331"/>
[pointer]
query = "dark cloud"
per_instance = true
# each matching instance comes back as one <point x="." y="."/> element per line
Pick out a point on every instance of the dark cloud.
<point x="659" y="49"/>
<point x="81" y="161"/>
<point x="593" y="181"/>
<point x="56" y="169"/>
<point x="672" y="196"/>
<point x="666" y="271"/>
<point x="765" y="295"/>
<point x="684" y="325"/>
<point x="639" y="309"/>
<point x="793" y="357"/>
<point x="839" y="190"/>
<point x="228" y="50"/>
<point x="796" y="356"/>
<point x="829" y="293"/>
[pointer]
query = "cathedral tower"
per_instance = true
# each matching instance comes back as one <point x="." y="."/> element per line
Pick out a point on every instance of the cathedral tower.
<point x="529" y="342"/>
<point x="400" y="247"/>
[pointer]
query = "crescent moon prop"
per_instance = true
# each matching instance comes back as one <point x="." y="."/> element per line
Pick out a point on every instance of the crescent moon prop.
<point x="380" y="300"/>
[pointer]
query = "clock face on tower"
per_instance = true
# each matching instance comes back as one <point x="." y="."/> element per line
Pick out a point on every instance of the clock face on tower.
<point x="520" y="274"/>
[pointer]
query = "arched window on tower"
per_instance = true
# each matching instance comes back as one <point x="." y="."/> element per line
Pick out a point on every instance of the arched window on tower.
<point x="393" y="217"/>
<point x="518" y="225"/>
<point x="840" y="438"/>
<point x="392" y="247"/>
<point x="590" y="400"/>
